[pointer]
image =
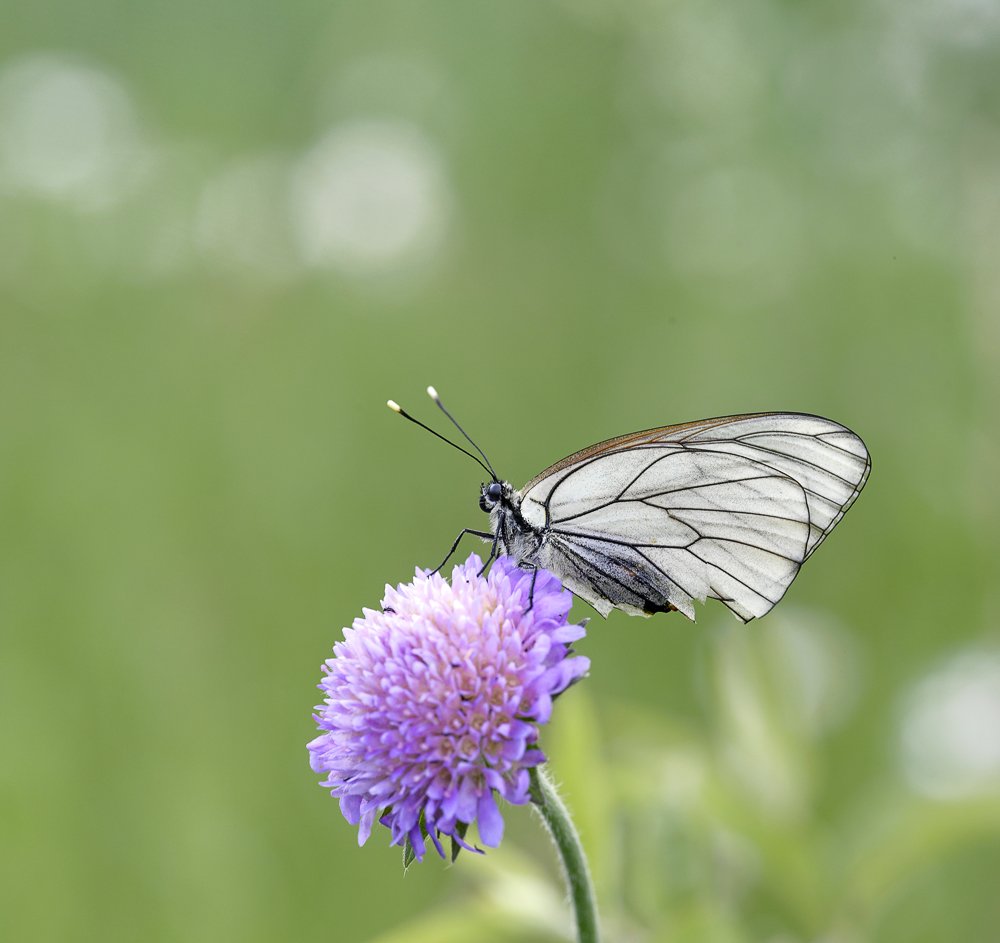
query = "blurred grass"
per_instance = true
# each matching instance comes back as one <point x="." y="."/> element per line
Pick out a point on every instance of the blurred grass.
<point x="649" y="214"/>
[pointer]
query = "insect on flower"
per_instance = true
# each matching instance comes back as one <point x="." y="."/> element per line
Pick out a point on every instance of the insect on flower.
<point x="727" y="508"/>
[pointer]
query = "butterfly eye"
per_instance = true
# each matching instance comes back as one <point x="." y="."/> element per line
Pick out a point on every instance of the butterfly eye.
<point x="490" y="495"/>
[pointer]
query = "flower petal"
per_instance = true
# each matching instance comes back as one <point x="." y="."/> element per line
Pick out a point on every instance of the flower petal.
<point x="489" y="820"/>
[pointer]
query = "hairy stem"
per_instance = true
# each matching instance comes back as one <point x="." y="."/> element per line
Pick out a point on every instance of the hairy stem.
<point x="560" y="826"/>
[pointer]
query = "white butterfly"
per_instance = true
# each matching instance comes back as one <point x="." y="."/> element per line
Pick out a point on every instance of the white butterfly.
<point x="725" y="509"/>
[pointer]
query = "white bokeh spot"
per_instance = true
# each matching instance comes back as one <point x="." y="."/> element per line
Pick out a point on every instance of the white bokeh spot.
<point x="370" y="198"/>
<point x="68" y="132"/>
<point x="950" y="736"/>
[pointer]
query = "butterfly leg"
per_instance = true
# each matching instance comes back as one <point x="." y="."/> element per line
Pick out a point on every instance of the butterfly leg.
<point x="465" y="530"/>
<point x="531" y="591"/>
<point x="493" y="553"/>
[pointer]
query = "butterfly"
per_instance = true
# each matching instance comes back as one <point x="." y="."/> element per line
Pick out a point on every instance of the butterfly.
<point x="727" y="508"/>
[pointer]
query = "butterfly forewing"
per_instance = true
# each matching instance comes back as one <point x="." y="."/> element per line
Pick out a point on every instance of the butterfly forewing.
<point x="724" y="508"/>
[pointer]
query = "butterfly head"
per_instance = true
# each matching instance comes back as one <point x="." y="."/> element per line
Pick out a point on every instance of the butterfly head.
<point x="490" y="495"/>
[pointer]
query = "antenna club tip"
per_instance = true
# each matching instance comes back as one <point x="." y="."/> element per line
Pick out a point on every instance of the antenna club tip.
<point x="433" y="394"/>
<point x="394" y="406"/>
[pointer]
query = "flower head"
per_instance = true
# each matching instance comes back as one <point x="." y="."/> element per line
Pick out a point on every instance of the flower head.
<point x="433" y="705"/>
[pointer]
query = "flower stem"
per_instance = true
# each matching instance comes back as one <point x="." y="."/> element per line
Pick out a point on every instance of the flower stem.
<point x="560" y="826"/>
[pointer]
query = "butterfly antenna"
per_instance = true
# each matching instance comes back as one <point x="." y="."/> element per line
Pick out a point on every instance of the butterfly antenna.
<point x="433" y="394"/>
<point x="396" y="408"/>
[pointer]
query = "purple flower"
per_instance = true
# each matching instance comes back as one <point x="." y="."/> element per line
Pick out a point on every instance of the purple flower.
<point x="433" y="704"/>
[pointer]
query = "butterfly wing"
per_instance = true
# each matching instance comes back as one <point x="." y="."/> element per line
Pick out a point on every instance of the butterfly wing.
<point x="724" y="508"/>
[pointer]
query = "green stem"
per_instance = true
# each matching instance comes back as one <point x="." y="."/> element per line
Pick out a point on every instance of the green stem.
<point x="560" y="826"/>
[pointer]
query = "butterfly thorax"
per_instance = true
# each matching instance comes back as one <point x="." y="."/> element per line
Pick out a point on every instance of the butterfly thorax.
<point x="516" y="537"/>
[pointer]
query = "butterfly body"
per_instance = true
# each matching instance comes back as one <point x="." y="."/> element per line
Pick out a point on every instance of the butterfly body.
<point x="519" y="539"/>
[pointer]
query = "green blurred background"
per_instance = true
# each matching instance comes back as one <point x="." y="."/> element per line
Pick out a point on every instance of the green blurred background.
<point x="229" y="231"/>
